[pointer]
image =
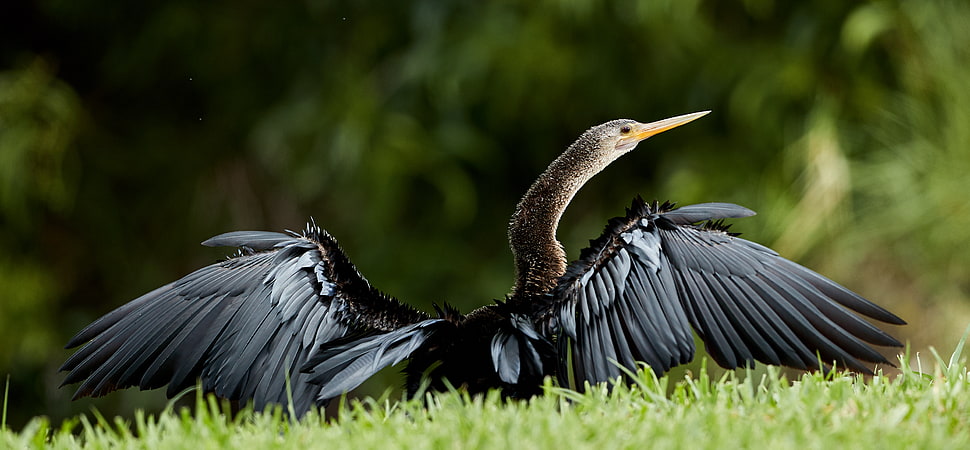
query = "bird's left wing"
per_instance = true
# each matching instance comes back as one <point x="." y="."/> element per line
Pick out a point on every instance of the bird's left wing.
<point x="245" y="326"/>
<point x="637" y="291"/>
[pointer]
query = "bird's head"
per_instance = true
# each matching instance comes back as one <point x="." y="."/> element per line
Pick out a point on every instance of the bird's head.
<point x="612" y="139"/>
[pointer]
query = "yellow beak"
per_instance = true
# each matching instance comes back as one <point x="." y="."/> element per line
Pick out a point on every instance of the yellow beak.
<point x="642" y="131"/>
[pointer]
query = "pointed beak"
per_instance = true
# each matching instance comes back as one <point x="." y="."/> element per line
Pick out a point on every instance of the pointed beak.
<point x="644" y="130"/>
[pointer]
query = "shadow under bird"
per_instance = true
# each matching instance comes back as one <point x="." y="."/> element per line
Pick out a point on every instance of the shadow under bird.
<point x="290" y="311"/>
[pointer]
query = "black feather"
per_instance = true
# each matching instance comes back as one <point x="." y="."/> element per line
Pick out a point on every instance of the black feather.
<point x="633" y="292"/>
<point x="242" y="325"/>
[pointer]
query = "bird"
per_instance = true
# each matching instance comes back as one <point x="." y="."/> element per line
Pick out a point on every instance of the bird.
<point x="289" y="320"/>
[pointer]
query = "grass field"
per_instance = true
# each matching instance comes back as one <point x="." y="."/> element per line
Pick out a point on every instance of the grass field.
<point x="920" y="407"/>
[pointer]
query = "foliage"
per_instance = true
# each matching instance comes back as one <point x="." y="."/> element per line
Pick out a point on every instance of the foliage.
<point x="131" y="131"/>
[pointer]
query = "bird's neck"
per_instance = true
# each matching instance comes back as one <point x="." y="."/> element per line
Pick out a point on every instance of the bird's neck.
<point x="539" y="258"/>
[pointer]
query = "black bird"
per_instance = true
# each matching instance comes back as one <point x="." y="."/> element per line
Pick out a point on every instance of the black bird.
<point x="290" y="311"/>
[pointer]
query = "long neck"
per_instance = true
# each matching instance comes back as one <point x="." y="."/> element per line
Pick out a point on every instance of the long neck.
<point x="539" y="258"/>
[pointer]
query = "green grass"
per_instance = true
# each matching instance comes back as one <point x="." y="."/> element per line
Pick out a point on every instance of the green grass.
<point x="764" y="410"/>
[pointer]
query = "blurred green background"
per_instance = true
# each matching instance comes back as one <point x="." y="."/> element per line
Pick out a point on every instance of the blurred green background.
<point x="132" y="131"/>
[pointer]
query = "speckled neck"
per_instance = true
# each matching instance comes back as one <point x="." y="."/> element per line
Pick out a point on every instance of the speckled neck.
<point x="539" y="258"/>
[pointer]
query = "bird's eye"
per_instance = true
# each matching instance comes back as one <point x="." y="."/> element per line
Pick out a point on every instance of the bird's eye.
<point x="626" y="129"/>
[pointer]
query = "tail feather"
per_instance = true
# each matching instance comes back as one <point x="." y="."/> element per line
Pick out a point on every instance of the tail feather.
<point x="519" y="355"/>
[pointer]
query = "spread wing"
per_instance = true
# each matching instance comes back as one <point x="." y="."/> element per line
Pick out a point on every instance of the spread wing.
<point x="244" y="326"/>
<point x="637" y="291"/>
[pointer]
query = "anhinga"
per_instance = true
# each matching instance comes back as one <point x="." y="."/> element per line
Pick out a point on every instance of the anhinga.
<point x="292" y="307"/>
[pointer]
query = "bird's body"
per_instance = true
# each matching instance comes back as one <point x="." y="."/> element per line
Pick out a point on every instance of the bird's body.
<point x="293" y="307"/>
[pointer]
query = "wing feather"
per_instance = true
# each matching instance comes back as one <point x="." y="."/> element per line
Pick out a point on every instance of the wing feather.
<point x="344" y="366"/>
<point x="637" y="291"/>
<point x="242" y="326"/>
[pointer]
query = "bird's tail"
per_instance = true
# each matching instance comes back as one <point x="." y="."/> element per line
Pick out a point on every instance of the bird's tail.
<point x="521" y="356"/>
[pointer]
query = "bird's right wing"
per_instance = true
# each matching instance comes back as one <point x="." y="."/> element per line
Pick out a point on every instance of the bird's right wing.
<point x="635" y="294"/>
<point x="244" y="326"/>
